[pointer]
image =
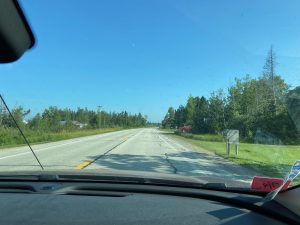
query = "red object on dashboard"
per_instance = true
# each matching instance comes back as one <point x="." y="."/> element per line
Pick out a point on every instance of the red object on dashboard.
<point x="268" y="184"/>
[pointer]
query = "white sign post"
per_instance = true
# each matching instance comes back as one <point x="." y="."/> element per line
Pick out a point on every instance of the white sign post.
<point x="232" y="137"/>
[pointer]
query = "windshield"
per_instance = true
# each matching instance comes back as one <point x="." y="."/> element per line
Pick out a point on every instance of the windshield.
<point x="191" y="88"/>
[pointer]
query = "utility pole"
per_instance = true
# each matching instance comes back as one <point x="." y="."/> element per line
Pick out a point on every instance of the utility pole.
<point x="2" y="111"/>
<point x="99" y="114"/>
<point x="103" y="118"/>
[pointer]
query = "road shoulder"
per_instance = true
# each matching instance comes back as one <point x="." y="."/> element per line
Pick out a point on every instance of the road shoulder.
<point x="192" y="147"/>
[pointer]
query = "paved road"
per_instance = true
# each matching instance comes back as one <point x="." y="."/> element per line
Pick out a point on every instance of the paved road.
<point x="136" y="149"/>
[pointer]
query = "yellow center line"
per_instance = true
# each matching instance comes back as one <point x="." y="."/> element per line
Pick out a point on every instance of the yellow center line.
<point x="88" y="162"/>
<point x="84" y="164"/>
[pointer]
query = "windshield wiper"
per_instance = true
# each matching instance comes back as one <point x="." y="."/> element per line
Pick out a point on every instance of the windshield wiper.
<point x="20" y="130"/>
<point x="123" y="179"/>
<point x="100" y="179"/>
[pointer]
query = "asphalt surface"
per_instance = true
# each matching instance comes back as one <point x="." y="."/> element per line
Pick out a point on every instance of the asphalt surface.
<point x="146" y="149"/>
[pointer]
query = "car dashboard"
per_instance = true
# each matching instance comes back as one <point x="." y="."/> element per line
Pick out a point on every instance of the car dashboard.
<point x="36" y="202"/>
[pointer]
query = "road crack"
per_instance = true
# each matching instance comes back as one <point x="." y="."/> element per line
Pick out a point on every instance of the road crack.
<point x="84" y="164"/>
<point x="171" y="164"/>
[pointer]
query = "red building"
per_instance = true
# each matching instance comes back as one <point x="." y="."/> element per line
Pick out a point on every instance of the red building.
<point x="185" y="129"/>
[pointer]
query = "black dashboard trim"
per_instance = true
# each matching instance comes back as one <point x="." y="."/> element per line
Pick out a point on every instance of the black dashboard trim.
<point x="247" y="201"/>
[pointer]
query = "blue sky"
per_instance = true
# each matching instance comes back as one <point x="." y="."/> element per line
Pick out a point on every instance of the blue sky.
<point x="144" y="56"/>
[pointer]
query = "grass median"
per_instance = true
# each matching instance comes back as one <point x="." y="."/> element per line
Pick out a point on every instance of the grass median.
<point x="270" y="160"/>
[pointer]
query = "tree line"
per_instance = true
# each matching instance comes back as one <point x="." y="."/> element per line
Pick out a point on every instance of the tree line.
<point x="264" y="110"/>
<point x="55" y="119"/>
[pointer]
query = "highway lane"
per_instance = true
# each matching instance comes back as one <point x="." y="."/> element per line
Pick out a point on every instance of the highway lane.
<point x="67" y="154"/>
<point x="145" y="149"/>
<point x="152" y="151"/>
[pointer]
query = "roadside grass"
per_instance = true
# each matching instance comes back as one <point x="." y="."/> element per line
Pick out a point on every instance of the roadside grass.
<point x="12" y="138"/>
<point x="167" y="130"/>
<point x="269" y="160"/>
<point x="202" y="137"/>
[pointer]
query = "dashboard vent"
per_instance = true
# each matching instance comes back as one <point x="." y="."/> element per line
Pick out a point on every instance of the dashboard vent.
<point x="14" y="188"/>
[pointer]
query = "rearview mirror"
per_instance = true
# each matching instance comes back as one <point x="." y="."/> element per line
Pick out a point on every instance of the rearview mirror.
<point x="16" y="36"/>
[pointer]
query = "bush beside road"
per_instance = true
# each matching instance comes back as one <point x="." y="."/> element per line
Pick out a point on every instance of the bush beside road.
<point x="11" y="137"/>
<point x="201" y="137"/>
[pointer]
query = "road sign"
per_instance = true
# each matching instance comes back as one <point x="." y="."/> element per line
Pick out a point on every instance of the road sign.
<point x="231" y="136"/>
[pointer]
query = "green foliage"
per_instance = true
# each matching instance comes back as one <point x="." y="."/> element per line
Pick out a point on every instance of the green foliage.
<point x="190" y="109"/>
<point x="216" y="115"/>
<point x="55" y="119"/>
<point x="201" y="118"/>
<point x="293" y="106"/>
<point x="10" y="137"/>
<point x="169" y="120"/>
<point x="57" y="124"/>
<point x="201" y="137"/>
<point x="180" y="115"/>
<point x="264" y="110"/>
